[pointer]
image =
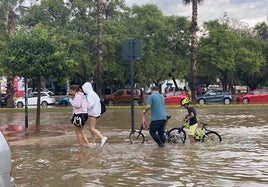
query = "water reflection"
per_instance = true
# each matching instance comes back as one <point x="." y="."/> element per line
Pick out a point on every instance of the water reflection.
<point x="53" y="158"/>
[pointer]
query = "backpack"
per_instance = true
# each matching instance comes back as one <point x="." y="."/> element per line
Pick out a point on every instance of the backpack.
<point x="103" y="107"/>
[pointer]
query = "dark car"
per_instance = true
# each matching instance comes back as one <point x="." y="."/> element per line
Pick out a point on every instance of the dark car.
<point x="258" y="96"/>
<point x="215" y="96"/>
<point x="123" y="96"/>
<point x="3" y="99"/>
<point x="63" y="101"/>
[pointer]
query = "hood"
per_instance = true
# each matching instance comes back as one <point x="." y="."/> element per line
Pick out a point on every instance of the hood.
<point x="87" y="88"/>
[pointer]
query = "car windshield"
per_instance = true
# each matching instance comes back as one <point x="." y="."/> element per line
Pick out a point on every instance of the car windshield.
<point x="50" y="94"/>
<point x="174" y="93"/>
<point x="209" y="92"/>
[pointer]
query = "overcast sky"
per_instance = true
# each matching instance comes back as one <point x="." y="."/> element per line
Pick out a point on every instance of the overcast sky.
<point x="249" y="11"/>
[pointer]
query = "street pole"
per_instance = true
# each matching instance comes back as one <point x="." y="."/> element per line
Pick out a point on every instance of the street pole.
<point x="131" y="52"/>
<point x="132" y="83"/>
<point x="26" y="101"/>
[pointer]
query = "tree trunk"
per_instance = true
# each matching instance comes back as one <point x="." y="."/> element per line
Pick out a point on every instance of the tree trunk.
<point x="10" y="79"/>
<point x="193" y="50"/>
<point x="38" y="110"/>
<point x="100" y="7"/>
<point x="10" y="92"/>
<point x="11" y="20"/>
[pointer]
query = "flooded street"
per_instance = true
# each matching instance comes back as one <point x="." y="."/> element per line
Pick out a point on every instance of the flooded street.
<point x="53" y="158"/>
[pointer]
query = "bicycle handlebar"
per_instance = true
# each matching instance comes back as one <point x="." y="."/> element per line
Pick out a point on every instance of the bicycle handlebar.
<point x="203" y="123"/>
<point x="168" y="117"/>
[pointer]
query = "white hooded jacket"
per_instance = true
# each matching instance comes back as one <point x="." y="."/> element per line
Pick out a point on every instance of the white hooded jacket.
<point x="93" y="100"/>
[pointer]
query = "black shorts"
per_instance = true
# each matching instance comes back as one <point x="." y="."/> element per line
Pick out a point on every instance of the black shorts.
<point x="79" y="120"/>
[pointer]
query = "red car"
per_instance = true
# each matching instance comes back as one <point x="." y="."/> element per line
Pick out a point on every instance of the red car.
<point x="258" y="96"/>
<point x="123" y="96"/>
<point x="175" y="98"/>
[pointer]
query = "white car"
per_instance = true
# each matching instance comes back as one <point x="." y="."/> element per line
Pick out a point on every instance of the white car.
<point x="47" y="98"/>
<point x="6" y="180"/>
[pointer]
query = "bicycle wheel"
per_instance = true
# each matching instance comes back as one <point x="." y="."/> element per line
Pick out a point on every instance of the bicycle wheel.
<point x="136" y="137"/>
<point x="176" y="135"/>
<point x="211" y="136"/>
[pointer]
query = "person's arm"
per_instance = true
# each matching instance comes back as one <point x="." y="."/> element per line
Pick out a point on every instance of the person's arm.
<point x="147" y="108"/>
<point x="76" y="101"/>
<point x="189" y="116"/>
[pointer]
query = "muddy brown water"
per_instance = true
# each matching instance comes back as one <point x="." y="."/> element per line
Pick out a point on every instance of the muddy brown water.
<point x="53" y="159"/>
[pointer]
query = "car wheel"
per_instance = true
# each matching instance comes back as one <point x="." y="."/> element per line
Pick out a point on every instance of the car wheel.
<point x="44" y="104"/>
<point x="20" y="105"/>
<point x="64" y="104"/>
<point x="201" y="101"/>
<point x="136" y="102"/>
<point x="110" y="102"/>
<point x="245" y="101"/>
<point x="227" y="101"/>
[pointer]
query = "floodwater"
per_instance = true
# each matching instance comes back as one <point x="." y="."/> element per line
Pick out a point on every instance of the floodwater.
<point x="53" y="158"/>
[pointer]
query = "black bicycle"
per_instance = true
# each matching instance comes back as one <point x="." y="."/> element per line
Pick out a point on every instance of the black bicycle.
<point x="173" y="135"/>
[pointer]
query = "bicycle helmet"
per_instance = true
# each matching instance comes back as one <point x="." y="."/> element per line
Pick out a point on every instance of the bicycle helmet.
<point x="185" y="101"/>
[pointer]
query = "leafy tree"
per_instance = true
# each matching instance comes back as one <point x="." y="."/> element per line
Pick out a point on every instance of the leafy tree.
<point x="250" y="60"/>
<point x="71" y="24"/>
<point x="35" y="54"/>
<point x="218" y="51"/>
<point x="163" y="52"/>
<point x="7" y="15"/>
<point x="261" y="31"/>
<point x="234" y="55"/>
<point x="100" y="5"/>
<point x="113" y="11"/>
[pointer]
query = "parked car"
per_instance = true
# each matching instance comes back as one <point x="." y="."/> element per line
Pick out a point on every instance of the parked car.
<point x="63" y="101"/>
<point x="6" y="180"/>
<point x="215" y="96"/>
<point x="258" y="96"/>
<point x="175" y="97"/>
<point x="31" y="90"/>
<point x="47" y="98"/>
<point x="123" y="96"/>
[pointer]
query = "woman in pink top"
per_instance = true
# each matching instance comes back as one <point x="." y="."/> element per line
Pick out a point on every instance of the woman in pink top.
<point x="80" y="115"/>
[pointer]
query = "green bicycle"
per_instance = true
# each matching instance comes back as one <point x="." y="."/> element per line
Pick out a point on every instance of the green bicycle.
<point x="203" y="134"/>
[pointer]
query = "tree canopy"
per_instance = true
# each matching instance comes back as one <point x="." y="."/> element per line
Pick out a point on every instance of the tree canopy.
<point x="234" y="55"/>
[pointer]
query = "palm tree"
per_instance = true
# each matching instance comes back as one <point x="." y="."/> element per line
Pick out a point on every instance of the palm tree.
<point x="100" y="7"/>
<point x="193" y="30"/>
<point x="7" y="10"/>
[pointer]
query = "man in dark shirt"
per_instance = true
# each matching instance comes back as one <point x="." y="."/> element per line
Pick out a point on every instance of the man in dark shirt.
<point x="190" y="118"/>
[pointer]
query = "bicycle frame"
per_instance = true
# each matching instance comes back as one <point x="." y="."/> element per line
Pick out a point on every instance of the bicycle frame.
<point x="203" y="133"/>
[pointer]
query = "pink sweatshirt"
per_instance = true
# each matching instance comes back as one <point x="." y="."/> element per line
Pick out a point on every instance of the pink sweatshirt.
<point x="79" y="103"/>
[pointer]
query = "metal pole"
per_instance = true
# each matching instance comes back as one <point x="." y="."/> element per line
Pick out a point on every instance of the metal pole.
<point x="132" y="82"/>
<point x="26" y="101"/>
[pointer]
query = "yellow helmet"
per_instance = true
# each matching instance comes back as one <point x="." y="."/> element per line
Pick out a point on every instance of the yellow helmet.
<point x="185" y="101"/>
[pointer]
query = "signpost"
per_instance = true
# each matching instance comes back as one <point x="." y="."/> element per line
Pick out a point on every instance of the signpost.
<point x="132" y="50"/>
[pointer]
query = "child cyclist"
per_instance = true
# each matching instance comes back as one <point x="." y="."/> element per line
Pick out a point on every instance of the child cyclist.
<point x="191" y="118"/>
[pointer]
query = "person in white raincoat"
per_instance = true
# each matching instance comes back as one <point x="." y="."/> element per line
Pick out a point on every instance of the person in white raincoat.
<point x="94" y="111"/>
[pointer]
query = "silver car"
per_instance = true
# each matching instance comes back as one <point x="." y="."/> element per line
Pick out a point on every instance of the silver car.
<point x="215" y="96"/>
<point x="6" y="180"/>
<point x="47" y="98"/>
